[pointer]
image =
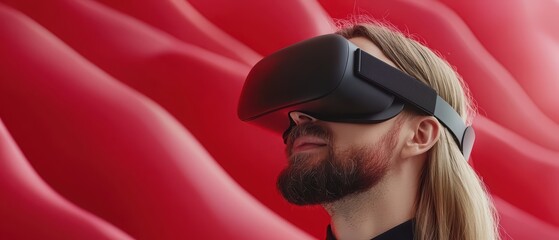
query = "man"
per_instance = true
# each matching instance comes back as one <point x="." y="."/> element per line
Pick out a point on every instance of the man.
<point x="384" y="155"/>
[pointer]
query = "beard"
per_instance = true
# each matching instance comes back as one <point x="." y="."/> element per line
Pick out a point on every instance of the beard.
<point x="325" y="176"/>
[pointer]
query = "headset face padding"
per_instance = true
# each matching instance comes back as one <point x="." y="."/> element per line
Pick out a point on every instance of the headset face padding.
<point x="331" y="79"/>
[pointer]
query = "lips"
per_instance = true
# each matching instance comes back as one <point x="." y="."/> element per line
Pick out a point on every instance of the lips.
<point x="306" y="143"/>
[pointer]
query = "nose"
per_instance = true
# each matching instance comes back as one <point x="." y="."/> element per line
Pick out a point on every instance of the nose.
<point x="301" y="118"/>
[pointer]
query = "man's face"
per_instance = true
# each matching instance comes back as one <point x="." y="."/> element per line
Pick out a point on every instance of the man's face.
<point x="328" y="161"/>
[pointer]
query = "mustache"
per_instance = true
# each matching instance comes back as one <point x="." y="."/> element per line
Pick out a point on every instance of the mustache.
<point x="307" y="129"/>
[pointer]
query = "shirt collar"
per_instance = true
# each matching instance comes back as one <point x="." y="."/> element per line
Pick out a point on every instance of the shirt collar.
<point x="404" y="231"/>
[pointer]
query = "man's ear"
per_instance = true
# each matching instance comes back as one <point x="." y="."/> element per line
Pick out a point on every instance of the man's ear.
<point x="424" y="134"/>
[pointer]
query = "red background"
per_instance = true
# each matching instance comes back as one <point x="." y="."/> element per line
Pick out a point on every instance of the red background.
<point x="118" y="118"/>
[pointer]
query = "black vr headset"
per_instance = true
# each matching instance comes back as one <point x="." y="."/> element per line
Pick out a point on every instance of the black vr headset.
<point x="331" y="79"/>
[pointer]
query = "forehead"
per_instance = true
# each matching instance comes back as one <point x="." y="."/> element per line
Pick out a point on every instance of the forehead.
<point x="369" y="47"/>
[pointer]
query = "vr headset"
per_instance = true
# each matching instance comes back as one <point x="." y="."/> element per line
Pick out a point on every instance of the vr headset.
<point x="331" y="79"/>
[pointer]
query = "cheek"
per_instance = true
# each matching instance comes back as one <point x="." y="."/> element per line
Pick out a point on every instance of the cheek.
<point x="348" y="137"/>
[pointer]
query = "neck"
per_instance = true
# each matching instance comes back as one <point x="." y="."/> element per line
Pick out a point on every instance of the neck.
<point x="384" y="206"/>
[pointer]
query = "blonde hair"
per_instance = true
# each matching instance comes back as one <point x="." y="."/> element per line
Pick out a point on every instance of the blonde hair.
<point x="452" y="202"/>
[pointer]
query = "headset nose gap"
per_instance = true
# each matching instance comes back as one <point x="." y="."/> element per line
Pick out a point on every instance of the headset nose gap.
<point x="301" y="118"/>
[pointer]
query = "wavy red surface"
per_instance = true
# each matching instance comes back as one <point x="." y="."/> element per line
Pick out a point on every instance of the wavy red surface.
<point x="118" y="118"/>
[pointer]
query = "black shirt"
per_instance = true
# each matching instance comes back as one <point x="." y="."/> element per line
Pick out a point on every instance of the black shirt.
<point x="403" y="231"/>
